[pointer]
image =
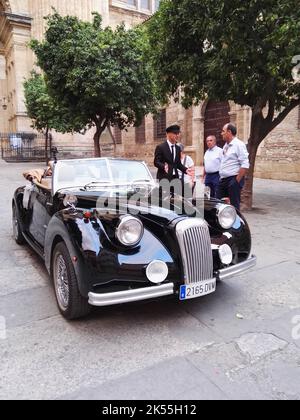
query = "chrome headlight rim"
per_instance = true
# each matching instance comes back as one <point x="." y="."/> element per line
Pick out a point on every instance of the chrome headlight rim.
<point x="123" y="221"/>
<point x="221" y="209"/>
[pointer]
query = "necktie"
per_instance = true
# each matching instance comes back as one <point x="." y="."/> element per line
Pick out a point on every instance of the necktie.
<point x="173" y="153"/>
<point x="173" y="156"/>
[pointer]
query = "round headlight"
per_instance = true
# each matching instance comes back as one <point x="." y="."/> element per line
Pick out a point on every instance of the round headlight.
<point x="226" y="255"/>
<point x="130" y="231"/>
<point x="227" y="216"/>
<point x="157" y="272"/>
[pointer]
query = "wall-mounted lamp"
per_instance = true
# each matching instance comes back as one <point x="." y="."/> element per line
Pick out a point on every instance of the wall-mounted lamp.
<point x="4" y="103"/>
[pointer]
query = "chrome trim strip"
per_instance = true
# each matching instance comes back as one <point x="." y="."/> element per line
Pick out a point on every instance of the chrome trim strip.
<point x="237" y="269"/>
<point x="115" y="298"/>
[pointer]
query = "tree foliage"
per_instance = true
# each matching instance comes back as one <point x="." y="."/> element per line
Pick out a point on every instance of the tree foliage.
<point x="230" y="50"/>
<point x="100" y="75"/>
<point x="45" y="112"/>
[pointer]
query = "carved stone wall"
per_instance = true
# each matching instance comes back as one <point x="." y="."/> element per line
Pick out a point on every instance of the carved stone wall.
<point x="279" y="155"/>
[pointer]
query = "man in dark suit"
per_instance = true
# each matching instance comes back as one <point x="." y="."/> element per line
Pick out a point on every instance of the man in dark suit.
<point x="167" y="157"/>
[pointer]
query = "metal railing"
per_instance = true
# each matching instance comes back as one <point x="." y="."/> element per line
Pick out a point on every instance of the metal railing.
<point x="30" y="147"/>
<point x="23" y="147"/>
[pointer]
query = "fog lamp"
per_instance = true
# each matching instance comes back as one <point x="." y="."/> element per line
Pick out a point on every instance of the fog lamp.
<point x="157" y="271"/>
<point x="226" y="255"/>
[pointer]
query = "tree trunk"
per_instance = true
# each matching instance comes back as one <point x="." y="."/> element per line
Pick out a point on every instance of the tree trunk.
<point x="46" y="145"/>
<point x="247" y="194"/>
<point x="50" y="143"/>
<point x="97" y="149"/>
<point x="260" y="127"/>
<point x="101" y="125"/>
<point x="259" y="130"/>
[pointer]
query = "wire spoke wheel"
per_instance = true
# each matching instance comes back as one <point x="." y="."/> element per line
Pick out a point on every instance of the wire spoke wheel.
<point x="70" y="301"/>
<point x="61" y="282"/>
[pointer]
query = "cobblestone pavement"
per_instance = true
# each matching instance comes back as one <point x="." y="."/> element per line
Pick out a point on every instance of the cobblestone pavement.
<point x="243" y="342"/>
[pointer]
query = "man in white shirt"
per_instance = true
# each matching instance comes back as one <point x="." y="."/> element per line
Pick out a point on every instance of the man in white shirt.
<point x="188" y="181"/>
<point x="234" y="166"/>
<point x="212" y="162"/>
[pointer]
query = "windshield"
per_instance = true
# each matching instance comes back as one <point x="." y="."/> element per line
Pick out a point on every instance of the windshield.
<point x="95" y="173"/>
<point x="126" y="171"/>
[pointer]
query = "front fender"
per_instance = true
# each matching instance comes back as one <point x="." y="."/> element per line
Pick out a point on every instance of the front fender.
<point x="18" y="202"/>
<point x="59" y="229"/>
<point x="98" y="261"/>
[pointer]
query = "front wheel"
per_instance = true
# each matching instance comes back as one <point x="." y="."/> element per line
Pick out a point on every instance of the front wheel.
<point x="17" y="232"/>
<point x="70" y="302"/>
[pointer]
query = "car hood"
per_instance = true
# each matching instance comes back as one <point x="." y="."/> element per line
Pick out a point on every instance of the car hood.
<point x="145" y="208"/>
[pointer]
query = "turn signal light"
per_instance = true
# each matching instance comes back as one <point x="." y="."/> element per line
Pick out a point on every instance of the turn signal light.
<point x="87" y="214"/>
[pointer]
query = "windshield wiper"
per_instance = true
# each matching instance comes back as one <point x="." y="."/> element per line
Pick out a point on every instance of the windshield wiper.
<point x="140" y="180"/>
<point x="69" y="188"/>
<point x="91" y="184"/>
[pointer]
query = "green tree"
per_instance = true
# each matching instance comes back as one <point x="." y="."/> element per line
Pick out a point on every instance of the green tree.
<point x="242" y="51"/>
<point x="44" y="111"/>
<point x="101" y="76"/>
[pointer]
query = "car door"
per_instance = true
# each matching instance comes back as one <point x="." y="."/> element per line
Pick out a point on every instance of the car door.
<point x="41" y="202"/>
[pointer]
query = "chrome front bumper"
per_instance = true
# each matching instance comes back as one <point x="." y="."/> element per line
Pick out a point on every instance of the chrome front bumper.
<point x="127" y="296"/>
<point x="107" y="299"/>
<point x="234" y="270"/>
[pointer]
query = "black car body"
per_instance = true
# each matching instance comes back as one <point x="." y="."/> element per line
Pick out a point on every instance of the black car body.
<point x="105" y="241"/>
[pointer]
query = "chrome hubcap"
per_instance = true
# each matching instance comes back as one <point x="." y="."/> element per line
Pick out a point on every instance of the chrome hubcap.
<point x="62" y="282"/>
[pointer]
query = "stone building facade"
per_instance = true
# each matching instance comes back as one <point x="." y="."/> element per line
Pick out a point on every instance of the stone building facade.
<point x="21" y="20"/>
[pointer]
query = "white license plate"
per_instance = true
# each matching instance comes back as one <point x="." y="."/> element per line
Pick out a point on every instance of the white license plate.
<point x="194" y="290"/>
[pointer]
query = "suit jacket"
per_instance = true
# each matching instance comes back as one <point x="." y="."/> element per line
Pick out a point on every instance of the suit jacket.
<point x="163" y="155"/>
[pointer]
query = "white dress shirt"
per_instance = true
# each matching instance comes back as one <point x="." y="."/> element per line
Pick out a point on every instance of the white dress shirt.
<point x="188" y="163"/>
<point x="235" y="157"/>
<point x="212" y="160"/>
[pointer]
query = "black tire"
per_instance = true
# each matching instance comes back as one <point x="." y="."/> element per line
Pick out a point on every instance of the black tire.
<point x="17" y="232"/>
<point x="70" y="302"/>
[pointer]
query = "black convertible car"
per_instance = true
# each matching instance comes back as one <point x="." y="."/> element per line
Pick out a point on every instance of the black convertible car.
<point x="108" y="235"/>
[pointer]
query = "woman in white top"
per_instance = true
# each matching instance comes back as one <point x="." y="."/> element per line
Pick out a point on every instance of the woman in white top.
<point x="189" y="182"/>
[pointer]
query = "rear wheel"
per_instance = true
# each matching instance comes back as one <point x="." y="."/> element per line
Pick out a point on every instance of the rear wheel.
<point x="17" y="232"/>
<point x="71" y="303"/>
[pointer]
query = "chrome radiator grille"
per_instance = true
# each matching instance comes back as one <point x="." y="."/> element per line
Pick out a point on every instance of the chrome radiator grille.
<point x="195" y="246"/>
